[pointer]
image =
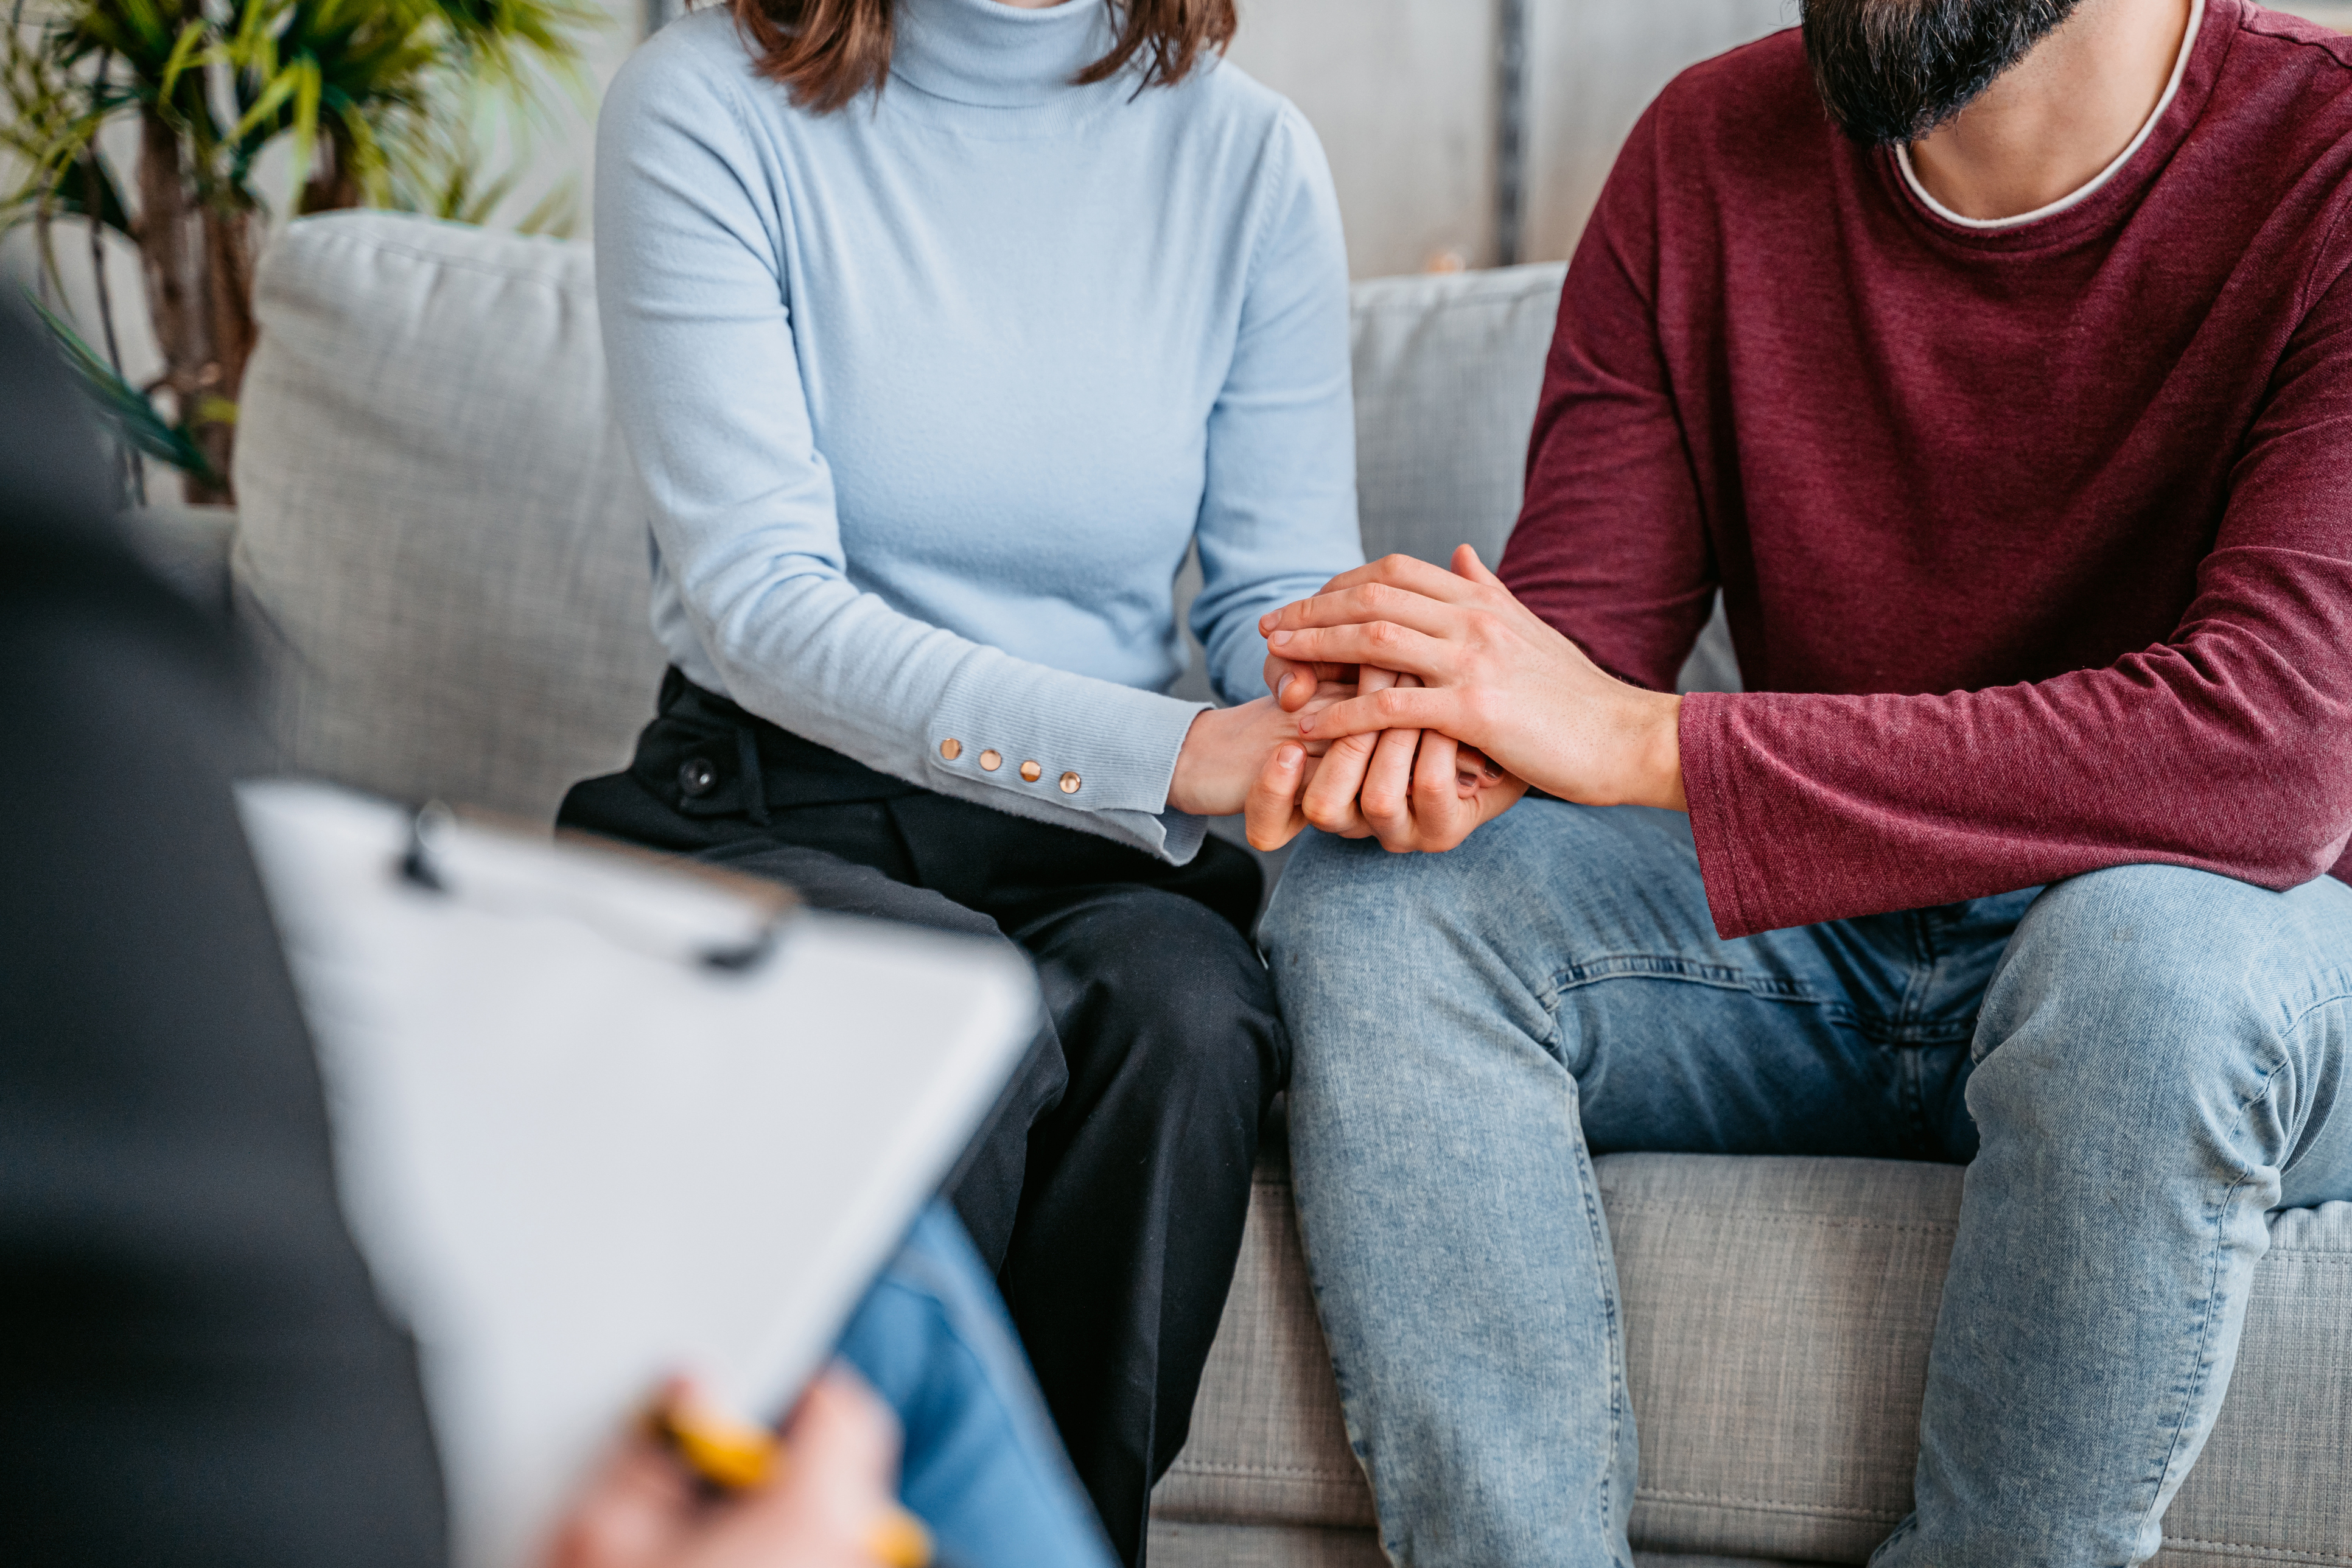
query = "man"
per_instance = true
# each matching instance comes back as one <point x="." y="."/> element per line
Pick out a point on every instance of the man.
<point x="2009" y="405"/>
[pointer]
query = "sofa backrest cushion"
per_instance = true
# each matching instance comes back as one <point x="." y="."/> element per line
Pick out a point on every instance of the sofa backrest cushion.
<point x="1447" y="367"/>
<point x="1447" y="370"/>
<point x="441" y="547"/>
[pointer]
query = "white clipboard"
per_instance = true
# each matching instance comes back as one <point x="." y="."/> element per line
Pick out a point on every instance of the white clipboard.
<point x="589" y="1130"/>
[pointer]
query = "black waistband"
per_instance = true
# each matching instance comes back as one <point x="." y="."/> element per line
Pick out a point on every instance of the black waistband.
<point x="706" y="730"/>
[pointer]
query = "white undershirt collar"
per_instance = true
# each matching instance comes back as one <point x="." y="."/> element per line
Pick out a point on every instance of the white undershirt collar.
<point x="2179" y="68"/>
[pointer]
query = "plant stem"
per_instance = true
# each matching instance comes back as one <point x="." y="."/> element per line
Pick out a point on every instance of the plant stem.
<point x="44" y="258"/>
<point x="178" y="293"/>
<point x="228" y="267"/>
<point x="134" y="471"/>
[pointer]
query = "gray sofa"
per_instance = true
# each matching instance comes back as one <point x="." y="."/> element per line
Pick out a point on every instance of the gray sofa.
<point x="440" y="557"/>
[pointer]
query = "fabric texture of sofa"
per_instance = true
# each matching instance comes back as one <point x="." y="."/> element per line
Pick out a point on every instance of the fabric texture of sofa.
<point x="440" y="556"/>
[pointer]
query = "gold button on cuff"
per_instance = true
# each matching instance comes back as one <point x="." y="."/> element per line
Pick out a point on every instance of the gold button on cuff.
<point x="952" y="748"/>
<point x="1032" y="772"/>
<point x="991" y="761"/>
<point x="1069" y="783"/>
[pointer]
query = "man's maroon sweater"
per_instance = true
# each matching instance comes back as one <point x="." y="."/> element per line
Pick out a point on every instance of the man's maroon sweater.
<point x="2036" y="544"/>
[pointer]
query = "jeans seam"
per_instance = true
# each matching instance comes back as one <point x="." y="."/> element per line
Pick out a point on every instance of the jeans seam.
<point x="1717" y="976"/>
<point x="1879" y="1030"/>
<point x="1596" y="1221"/>
<point x="1916" y="985"/>
<point x="1358" y="1449"/>
<point x="2296" y="1023"/>
<point x="2202" y="1370"/>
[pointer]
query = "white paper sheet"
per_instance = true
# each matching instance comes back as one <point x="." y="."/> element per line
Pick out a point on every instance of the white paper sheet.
<point x="577" y="1160"/>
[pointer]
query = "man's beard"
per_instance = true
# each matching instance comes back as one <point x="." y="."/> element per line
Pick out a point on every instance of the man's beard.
<point x="1892" y="70"/>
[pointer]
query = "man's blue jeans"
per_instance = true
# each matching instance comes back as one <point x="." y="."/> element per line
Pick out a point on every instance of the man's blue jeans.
<point x="2138" y="1063"/>
<point x="981" y="1465"/>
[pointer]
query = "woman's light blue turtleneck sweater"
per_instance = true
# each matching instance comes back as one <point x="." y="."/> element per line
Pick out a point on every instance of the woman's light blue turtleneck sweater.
<point x="929" y="396"/>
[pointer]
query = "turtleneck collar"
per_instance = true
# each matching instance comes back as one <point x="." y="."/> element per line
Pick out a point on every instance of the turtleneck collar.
<point x="1000" y="56"/>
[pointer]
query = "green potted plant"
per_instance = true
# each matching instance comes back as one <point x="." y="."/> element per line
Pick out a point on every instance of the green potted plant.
<point x="369" y="95"/>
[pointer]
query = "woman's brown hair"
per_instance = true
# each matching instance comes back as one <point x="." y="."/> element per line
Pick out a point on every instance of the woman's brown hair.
<point x="828" y="51"/>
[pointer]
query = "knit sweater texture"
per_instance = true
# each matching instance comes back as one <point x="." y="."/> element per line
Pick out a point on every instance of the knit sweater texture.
<point x="2035" y="541"/>
<point x="930" y="396"/>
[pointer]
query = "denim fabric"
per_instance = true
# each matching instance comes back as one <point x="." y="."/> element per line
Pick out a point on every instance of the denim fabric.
<point x="2139" y="1062"/>
<point x="981" y="1465"/>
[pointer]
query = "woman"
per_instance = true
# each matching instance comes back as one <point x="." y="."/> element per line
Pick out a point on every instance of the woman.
<point x="940" y="330"/>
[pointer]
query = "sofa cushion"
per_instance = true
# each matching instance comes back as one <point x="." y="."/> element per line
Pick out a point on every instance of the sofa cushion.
<point x="1267" y="1444"/>
<point x="2274" y="1483"/>
<point x="439" y="543"/>
<point x="1777" y="1315"/>
<point x="1446" y="370"/>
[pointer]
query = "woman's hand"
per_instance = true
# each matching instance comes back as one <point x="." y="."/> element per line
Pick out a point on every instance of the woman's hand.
<point x="1295" y="685"/>
<point x="1413" y="790"/>
<point x="1226" y="749"/>
<point x="823" y="1509"/>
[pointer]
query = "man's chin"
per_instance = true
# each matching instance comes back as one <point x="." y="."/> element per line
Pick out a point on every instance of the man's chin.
<point x="1890" y="71"/>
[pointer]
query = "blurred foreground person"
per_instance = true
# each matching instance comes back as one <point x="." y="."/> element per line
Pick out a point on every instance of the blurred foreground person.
<point x="192" y="1361"/>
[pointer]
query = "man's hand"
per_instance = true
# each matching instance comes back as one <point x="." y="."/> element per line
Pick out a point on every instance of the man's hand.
<point x="1493" y="675"/>
<point x="825" y="1510"/>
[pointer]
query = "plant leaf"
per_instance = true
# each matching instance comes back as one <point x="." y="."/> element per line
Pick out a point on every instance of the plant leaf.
<point x="306" y="116"/>
<point x="282" y="86"/>
<point x="183" y="52"/>
<point x="123" y="405"/>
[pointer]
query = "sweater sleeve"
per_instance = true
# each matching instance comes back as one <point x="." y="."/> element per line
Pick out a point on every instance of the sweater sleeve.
<point x="1610" y="545"/>
<point x="2224" y="749"/>
<point x="693" y="228"/>
<point x="1279" y="513"/>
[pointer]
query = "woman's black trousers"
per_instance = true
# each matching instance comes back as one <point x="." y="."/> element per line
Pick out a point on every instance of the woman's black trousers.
<point x="1110" y="1191"/>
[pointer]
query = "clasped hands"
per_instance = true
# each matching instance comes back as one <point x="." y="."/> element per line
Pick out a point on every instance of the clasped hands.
<point x="1411" y="704"/>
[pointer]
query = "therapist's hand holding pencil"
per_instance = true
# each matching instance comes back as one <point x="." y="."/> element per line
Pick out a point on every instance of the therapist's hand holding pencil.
<point x="826" y="1497"/>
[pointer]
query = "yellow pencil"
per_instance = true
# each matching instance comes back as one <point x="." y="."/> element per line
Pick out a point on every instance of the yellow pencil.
<point x="739" y="1456"/>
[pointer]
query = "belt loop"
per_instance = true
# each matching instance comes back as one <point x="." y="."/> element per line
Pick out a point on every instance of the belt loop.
<point x="755" y="788"/>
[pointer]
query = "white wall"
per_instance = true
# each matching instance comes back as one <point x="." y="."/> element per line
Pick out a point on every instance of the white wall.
<point x="1593" y="67"/>
<point x="1403" y="93"/>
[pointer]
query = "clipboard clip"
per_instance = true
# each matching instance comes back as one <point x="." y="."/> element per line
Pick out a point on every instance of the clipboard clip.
<point x="423" y="868"/>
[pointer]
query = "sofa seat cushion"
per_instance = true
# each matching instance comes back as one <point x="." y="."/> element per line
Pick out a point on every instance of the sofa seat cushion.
<point x="1777" y="1318"/>
<point x="1777" y="1315"/>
